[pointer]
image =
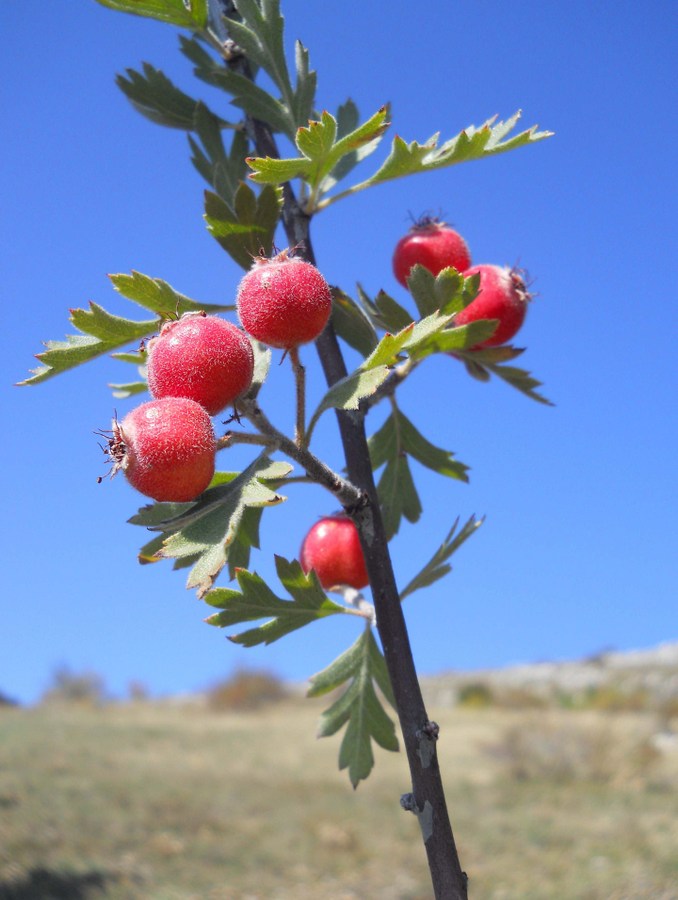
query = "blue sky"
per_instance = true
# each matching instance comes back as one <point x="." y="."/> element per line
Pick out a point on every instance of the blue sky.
<point x="578" y="549"/>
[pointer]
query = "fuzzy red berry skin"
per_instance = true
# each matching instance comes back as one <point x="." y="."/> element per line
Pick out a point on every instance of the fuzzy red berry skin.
<point x="433" y="245"/>
<point x="284" y="302"/>
<point x="166" y="449"/>
<point x="503" y="296"/>
<point x="204" y="358"/>
<point x="332" y="548"/>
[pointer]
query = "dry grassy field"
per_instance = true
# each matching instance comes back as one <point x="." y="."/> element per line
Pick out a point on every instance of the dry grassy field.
<point x="144" y="800"/>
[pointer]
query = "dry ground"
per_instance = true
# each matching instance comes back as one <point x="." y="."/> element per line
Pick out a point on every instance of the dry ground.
<point x="170" y="803"/>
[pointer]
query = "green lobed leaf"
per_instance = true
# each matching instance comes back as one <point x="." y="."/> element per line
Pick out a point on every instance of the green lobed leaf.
<point x="322" y="150"/>
<point x="398" y="495"/>
<point x="359" y="707"/>
<point x="158" y="99"/>
<point x="109" y="333"/>
<point x="448" y="291"/>
<point x="435" y="458"/>
<point x="384" y="312"/>
<point x="246" y="229"/>
<point x="347" y="122"/>
<point x="158" y="296"/>
<point x="260" y="35"/>
<point x="488" y="361"/>
<point x="221" y="170"/>
<point x="307" y="81"/>
<point x="205" y="529"/>
<point x="352" y="324"/>
<point x="131" y="389"/>
<point x="349" y="392"/>
<point x="183" y="13"/>
<point x="254" y="100"/>
<point x="255" y="600"/>
<point x="437" y="567"/>
<point x="472" y="143"/>
<point x="391" y="445"/>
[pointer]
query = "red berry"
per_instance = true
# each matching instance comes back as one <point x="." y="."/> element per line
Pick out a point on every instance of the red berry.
<point x="332" y="548"/>
<point x="433" y="245"/>
<point x="166" y="449"/>
<point x="203" y="358"/>
<point x="284" y="301"/>
<point x="502" y="295"/>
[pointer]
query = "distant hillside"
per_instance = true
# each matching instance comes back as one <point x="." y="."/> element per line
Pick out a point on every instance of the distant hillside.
<point x="647" y="675"/>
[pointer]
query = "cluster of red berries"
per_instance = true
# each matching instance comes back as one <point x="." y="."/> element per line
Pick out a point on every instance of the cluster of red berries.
<point x="200" y="364"/>
<point x="502" y="293"/>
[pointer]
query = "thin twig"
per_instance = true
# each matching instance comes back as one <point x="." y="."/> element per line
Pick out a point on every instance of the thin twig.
<point x="300" y="392"/>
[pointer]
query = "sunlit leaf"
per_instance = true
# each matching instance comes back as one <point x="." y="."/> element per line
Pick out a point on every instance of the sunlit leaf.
<point x="255" y="601"/>
<point x="437" y="567"/>
<point x="184" y="13"/>
<point x="359" y="707"/>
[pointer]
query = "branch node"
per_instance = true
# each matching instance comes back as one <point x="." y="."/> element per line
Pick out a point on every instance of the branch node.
<point x="408" y="803"/>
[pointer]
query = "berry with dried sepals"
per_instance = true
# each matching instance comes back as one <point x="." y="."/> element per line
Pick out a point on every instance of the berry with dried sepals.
<point x="502" y="295"/>
<point x="432" y="244"/>
<point x="332" y="548"/>
<point x="200" y="357"/>
<point x="165" y="448"/>
<point x="284" y="301"/>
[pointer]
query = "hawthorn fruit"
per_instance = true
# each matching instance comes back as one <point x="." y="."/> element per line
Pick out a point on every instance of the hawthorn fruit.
<point x="200" y="357"/>
<point x="165" y="448"/>
<point x="332" y="548"/>
<point x="283" y="301"/>
<point x="502" y="295"/>
<point x="432" y="244"/>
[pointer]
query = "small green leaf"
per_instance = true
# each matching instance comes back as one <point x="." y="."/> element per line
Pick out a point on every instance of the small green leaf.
<point x="204" y="530"/>
<point x="487" y="361"/>
<point x="359" y="707"/>
<point x="435" y="458"/>
<point x="255" y="600"/>
<point x="348" y="392"/>
<point x="255" y="101"/>
<point x="247" y="229"/>
<point x="448" y="291"/>
<point x="270" y="170"/>
<point x="109" y="328"/>
<point x="322" y="150"/>
<point x="437" y="567"/>
<point x="131" y="389"/>
<point x="110" y="333"/>
<point x="159" y="297"/>
<point x="154" y="96"/>
<point x="398" y="495"/>
<point x="221" y="170"/>
<point x="352" y="324"/>
<point x="183" y="13"/>
<point x="391" y="444"/>
<point x="472" y="143"/>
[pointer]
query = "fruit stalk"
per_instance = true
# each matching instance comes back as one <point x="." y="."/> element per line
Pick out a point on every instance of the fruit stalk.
<point x="428" y="798"/>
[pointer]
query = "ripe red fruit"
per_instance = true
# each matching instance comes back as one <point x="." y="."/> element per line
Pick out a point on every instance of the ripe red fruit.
<point x="284" y="302"/>
<point x="332" y="548"/>
<point x="433" y="245"/>
<point x="166" y="448"/>
<point x="502" y="295"/>
<point x="204" y="358"/>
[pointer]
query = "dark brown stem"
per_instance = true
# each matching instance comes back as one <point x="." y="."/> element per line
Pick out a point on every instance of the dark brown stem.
<point x="427" y="799"/>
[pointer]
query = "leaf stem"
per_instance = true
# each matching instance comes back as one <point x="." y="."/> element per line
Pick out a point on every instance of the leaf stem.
<point x="300" y="390"/>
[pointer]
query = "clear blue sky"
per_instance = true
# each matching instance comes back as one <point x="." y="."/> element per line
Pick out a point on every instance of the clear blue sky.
<point x="578" y="551"/>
